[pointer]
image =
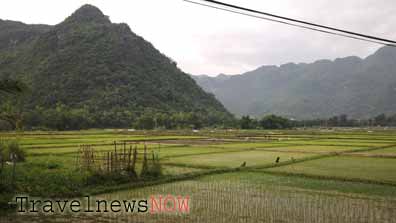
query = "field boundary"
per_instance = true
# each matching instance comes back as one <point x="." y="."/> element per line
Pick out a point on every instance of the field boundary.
<point x="322" y="177"/>
<point x="165" y="180"/>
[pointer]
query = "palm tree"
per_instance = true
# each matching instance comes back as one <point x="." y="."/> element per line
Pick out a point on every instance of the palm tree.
<point x="11" y="86"/>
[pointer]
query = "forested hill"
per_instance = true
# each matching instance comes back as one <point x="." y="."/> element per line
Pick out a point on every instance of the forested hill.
<point x="360" y="88"/>
<point x="89" y="67"/>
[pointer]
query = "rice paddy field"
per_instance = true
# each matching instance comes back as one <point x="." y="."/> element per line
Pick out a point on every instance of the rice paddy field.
<point x="313" y="175"/>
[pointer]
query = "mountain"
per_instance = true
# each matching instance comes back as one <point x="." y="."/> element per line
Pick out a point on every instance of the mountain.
<point x="88" y="62"/>
<point x="360" y="88"/>
<point x="17" y="33"/>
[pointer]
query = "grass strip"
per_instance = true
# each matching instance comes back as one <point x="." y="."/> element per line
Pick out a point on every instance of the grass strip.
<point x="321" y="177"/>
<point x="169" y="179"/>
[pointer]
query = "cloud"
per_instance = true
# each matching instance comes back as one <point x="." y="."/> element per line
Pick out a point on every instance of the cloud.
<point x="266" y="43"/>
<point x="208" y="41"/>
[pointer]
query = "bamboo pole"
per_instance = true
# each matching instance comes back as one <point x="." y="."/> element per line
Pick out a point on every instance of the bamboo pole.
<point x="13" y="168"/>
<point x="108" y="162"/>
<point x="111" y="162"/>
<point x="129" y="158"/>
<point x="124" y="157"/>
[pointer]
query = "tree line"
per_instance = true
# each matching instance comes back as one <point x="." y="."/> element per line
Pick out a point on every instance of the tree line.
<point x="62" y="117"/>
<point x="15" y="116"/>
<point x="381" y="120"/>
<point x="279" y="122"/>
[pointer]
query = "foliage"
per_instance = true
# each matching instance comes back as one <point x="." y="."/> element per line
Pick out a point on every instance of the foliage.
<point x="53" y="174"/>
<point x="275" y="122"/>
<point x="145" y="121"/>
<point x="12" y="112"/>
<point x="345" y="121"/>
<point x="151" y="169"/>
<point x="87" y="72"/>
<point x="246" y="122"/>
<point x="114" y="178"/>
<point x="12" y="148"/>
<point x="3" y="148"/>
<point x="267" y="122"/>
<point x="12" y="86"/>
<point x="132" y="169"/>
<point x="145" y="173"/>
<point x="382" y="120"/>
<point x="156" y="168"/>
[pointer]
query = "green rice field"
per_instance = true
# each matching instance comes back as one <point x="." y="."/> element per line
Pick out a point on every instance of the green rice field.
<point x="345" y="167"/>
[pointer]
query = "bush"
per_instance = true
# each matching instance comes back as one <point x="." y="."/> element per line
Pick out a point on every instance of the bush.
<point x="115" y="178"/>
<point x="275" y="122"/>
<point x="5" y="195"/>
<point x="156" y="168"/>
<point x="6" y="191"/>
<point x="52" y="165"/>
<point x="153" y="169"/>
<point x="13" y="149"/>
<point x="145" y="167"/>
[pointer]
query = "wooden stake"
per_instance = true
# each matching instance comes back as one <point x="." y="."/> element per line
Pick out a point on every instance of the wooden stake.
<point x="129" y="158"/>
<point x="108" y="162"/>
<point x="111" y="162"/>
<point x="13" y="168"/>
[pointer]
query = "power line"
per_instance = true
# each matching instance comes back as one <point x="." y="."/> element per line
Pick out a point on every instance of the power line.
<point x="291" y="24"/>
<point x="366" y="38"/>
<point x="302" y="22"/>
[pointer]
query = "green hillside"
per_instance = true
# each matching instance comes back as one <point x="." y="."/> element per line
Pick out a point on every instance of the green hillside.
<point x="89" y="68"/>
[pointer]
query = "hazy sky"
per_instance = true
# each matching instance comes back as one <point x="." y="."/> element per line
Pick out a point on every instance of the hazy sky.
<point x="207" y="41"/>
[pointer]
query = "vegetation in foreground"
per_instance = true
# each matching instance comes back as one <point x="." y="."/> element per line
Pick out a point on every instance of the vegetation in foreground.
<point x="251" y="197"/>
<point x="307" y="156"/>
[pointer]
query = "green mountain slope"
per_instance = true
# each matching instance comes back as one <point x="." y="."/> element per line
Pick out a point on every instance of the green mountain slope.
<point x="87" y="62"/>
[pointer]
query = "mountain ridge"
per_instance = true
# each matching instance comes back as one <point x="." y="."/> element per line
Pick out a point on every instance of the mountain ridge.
<point x="86" y="62"/>
<point x="359" y="87"/>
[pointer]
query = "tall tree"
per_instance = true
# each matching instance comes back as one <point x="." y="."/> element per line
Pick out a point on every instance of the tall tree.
<point x="11" y="108"/>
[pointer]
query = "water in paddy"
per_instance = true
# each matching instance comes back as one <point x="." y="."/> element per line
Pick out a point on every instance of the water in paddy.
<point x="230" y="202"/>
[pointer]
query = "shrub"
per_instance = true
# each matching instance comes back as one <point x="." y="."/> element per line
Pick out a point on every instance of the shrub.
<point x="131" y="169"/>
<point x="9" y="148"/>
<point x="14" y="149"/>
<point x="145" y="167"/>
<point x="52" y="165"/>
<point x="115" y="178"/>
<point x="156" y="168"/>
<point x="5" y="195"/>
<point x="153" y="169"/>
<point x="275" y="122"/>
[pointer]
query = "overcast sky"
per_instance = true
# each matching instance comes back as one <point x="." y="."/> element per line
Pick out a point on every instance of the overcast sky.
<point x="207" y="41"/>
